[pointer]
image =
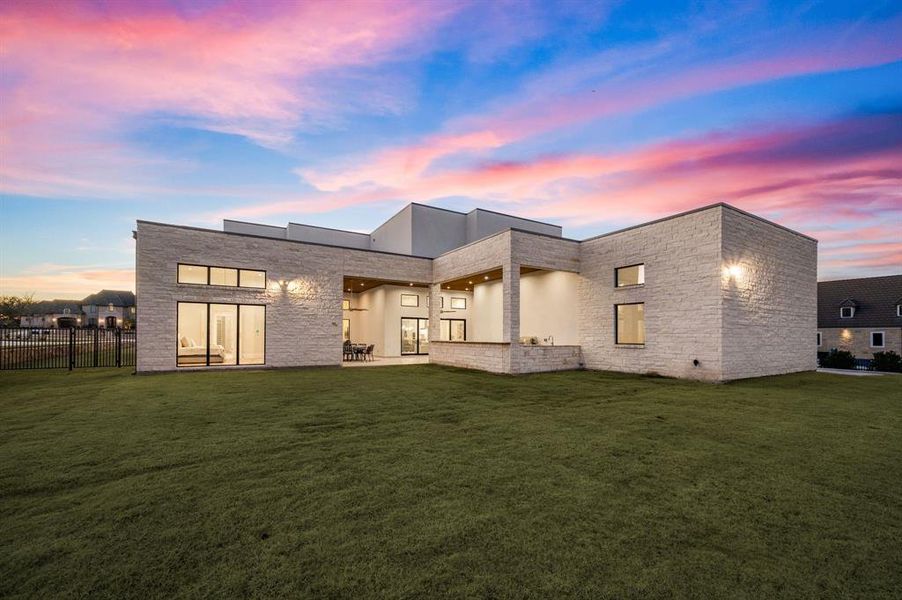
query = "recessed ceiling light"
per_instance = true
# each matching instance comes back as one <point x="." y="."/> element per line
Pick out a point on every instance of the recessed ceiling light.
<point x="361" y="283"/>
<point x="470" y="282"/>
<point x="486" y="276"/>
<point x="411" y="285"/>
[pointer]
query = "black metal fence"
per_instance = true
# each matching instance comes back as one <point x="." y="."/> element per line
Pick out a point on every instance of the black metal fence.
<point x="40" y="348"/>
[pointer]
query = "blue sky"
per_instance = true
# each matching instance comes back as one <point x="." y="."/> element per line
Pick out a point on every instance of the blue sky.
<point x="592" y="115"/>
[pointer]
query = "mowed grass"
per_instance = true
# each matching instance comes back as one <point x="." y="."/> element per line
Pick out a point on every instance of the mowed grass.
<point x="424" y="481"/>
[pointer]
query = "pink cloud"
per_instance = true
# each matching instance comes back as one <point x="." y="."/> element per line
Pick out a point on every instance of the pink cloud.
<point x="784" y="174"/>
<point x="543" y="109"/>
<point x="77" y="74"/>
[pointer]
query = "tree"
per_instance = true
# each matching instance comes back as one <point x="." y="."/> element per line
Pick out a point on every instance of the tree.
<point x="13" y="307"/>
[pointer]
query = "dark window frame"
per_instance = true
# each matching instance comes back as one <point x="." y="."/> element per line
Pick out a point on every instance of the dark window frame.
<point x="820" y="339"/>
<point x="464" y="307"/>
<point x="882" y="335"/>
<point x="401" y="336"/>
<point x="630" y="285"/>
<point x="417" y="296"/>
<point x="237" y="333"/>
<point x="464" y="321"/>
<point x="617" y="341"/>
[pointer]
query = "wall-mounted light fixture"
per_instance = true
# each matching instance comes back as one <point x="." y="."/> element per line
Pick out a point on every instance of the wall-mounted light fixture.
<point x="733" y="271"/>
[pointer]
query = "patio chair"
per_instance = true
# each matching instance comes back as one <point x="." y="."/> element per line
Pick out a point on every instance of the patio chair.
<point x="369" y="352"/>
<point x="347" y="351"/>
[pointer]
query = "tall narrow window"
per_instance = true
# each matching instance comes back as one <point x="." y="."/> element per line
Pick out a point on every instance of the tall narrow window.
<point x="877" y="339"/>
<point x="223" y="339"/>
<point x="627" y="276"/>
<point x="819" y="339"/>
<point x="630" y="325"/>
<point x="251" y="330"/>
<point x="345" y="305"/>
<point x="192" y="334"/>
<point x="346" y="330"/>
<point x="193" y="274"/>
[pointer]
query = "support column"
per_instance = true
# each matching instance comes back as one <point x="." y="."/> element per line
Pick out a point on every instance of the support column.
<point x="510" y="331"/>
<point x="435" y="311"/>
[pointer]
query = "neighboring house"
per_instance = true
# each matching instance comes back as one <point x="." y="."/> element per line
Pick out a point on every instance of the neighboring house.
<point x="106" y="309"/>
<point x="862" y="316"/>
<point x="714" y="293"/>
<point x="53" y="313"/>
<point x="109" y="309"/>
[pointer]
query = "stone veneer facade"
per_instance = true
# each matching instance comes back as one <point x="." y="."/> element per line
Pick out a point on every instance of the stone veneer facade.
<point x="702" y="319"/>
<point x="857" y="340"/>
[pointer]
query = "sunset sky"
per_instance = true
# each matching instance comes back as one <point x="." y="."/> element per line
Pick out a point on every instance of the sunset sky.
<point x="589" y="114"/>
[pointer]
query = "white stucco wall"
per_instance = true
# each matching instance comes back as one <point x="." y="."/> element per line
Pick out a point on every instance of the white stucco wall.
<point x="548" y="306"/>
<point x="487" y="313"/>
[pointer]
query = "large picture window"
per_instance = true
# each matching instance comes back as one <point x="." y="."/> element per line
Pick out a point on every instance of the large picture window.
<point x="627" y="276"/>
<point x="225" y="276"/>
<point x="630" y="323"/>
<point x="459" y="303"/>
<point x="220" y="334"/>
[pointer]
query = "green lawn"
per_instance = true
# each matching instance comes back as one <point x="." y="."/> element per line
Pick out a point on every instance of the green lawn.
<point x="424" y="481"/>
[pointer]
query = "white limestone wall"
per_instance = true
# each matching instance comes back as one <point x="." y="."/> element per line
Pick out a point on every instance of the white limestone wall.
<point x="682" y="297"/>
<point x="483" y="356"/>
<point x="303" y="319"/>
<point x="769" y="298"/>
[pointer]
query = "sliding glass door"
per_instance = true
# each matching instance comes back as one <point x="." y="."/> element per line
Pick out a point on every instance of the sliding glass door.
<point x="220" y="334"/>
<point x="414" y="336"/>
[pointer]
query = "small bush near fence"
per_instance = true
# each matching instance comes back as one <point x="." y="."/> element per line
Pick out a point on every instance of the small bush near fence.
<point x="887" y="361"/>
<point x="837" y="359"/>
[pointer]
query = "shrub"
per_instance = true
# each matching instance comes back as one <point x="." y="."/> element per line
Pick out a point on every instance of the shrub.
<point x="887" y="361"/>
<point x="838" y="359"/>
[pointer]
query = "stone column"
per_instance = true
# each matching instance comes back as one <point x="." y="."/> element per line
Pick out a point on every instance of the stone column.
<point x="511" y="302"/>
<point x="435" y="311"/>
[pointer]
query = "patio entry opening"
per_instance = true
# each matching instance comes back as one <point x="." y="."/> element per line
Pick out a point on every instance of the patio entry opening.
<point x="384" y="320"/>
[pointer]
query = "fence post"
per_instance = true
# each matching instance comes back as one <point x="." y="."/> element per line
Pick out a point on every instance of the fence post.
<point x="96" y="342"/>
<point x="118" y="347"/>
<point x="71" y="348"/>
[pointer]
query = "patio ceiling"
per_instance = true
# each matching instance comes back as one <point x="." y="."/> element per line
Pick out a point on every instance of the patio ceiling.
<point x="465" y="284"/>
<point x="362" y="284"/>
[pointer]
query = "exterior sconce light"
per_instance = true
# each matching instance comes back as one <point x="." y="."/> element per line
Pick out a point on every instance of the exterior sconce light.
<point x="733" y="271"/>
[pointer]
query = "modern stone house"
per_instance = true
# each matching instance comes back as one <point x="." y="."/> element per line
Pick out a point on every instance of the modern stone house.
<point x="713" y="294"/>
<point x="862" y="316"/>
